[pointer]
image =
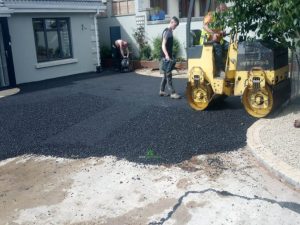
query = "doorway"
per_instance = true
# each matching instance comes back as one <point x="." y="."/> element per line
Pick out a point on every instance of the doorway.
<point x="115" y="34"/>
<point x="7" y="73"/>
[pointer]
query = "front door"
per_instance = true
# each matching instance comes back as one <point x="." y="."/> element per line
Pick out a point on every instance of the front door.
<point x="115" y="34"/>
<point x="7" y="74"/>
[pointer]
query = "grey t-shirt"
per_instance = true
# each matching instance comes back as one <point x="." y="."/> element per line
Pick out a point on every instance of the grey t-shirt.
<point x="167" y="34"/>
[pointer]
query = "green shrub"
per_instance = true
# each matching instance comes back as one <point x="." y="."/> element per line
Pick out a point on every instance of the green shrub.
<point x="145" y="52"/>
<point x="144" y="47"/>
<point x="156" y="53"/>
<point x="105" y="52"/>
<point x="139" y="36"/>
<point x="156" y="48"/>
<point x="180" y="59"/>
<point x="176" y="47"/>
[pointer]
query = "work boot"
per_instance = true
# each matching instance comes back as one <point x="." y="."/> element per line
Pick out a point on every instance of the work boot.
<point x="163" y="94"/>
<point x="175" y="96"/>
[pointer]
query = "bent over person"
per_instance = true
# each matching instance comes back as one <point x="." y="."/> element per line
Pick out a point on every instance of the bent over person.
<point x="121" y="51"/>
<point x="167" y="61"/>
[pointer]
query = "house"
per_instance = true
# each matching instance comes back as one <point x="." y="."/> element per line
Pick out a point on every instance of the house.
<point x="124" y="16"/>
<point x="43" y="39"/>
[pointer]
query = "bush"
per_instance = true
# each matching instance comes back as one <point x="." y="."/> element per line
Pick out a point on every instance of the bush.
<point x="144" y="47"/>
<point x="139" y="36"/>
<point x="105" y="52"/>
<point x="156" y="53"/>
<point x="145" y="52"/>
<point x="156" y="48"/>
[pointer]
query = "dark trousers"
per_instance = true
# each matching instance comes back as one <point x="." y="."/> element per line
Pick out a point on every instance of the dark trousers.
<point x="166" y="80"/>
<point x="117" y="57"/>
<point x="219" y="52"/>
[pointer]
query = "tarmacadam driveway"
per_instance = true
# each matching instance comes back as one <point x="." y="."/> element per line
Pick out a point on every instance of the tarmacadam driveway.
<point x="108" y="150"/>
<point x="120" y="115"/>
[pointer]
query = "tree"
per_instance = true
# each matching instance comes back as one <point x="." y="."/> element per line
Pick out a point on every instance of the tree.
<point x="277" y="20"/>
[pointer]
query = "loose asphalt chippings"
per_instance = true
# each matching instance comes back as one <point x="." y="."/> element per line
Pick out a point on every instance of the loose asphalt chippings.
<point x="116" y="114"/>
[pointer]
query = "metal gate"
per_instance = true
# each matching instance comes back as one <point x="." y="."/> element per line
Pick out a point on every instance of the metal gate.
<point x="295" y="74"/>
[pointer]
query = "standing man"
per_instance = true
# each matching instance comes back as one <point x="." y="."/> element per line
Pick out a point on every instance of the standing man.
<point x="167" y="58"/>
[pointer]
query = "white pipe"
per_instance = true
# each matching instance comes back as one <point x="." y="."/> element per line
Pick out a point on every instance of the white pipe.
<point x="96" y="38"/>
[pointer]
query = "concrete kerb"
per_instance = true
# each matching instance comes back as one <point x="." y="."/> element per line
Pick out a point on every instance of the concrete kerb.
<point x="281" y="169"/>
<point x="156" y="73"/>
<point x="9" y="92"/>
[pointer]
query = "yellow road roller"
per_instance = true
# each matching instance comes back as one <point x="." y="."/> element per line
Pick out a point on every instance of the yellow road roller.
<point x="255" y="70"/>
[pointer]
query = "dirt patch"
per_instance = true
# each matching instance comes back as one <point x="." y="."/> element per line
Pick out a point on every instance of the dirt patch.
<point x="29" y="182"/>
<point x="192" y="165"/>
<point x="183" y="183"/>
<point x="137" y="216"/>
<point x="41" y="190"/>
<point x="163" y="178"/>
<point x="194" y="204"/>
<point x="211" y="165"/>
<point x="214" y="167"/>
<point x="182" y="216"/>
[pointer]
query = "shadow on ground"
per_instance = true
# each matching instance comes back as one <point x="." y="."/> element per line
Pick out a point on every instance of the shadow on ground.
<point x="61" y="82"/>
<point x="97" y="119"/>
<point x="292" y="107"/>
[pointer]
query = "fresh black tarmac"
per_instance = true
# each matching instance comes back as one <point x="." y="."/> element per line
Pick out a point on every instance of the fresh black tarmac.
<point x="94" y="115"/>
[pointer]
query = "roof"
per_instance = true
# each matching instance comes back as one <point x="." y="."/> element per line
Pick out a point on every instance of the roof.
<point x="27" y="6"/>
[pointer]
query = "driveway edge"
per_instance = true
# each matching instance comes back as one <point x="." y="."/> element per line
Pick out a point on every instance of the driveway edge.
<point x="264" y="155"/>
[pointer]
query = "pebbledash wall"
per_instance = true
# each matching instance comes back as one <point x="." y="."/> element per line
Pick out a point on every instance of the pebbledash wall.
<point x="27" y="69"/>
<point x="128" y="24"/>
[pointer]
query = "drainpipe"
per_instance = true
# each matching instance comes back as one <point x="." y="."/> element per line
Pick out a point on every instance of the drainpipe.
<point x="98" y="67"/>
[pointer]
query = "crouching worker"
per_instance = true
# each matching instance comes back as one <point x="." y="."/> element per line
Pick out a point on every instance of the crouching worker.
<point x="167" y="62"/>
<point x="215" y="36"/>
<point x="120" y="51"/>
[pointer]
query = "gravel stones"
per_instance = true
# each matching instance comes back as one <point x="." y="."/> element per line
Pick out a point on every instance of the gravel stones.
<point x="281" y="137"/>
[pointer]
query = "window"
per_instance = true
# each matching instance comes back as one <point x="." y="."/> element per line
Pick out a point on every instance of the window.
<point x="201" y="4"/>
<point x="161" y="4"/>
<point x="52" y="39"/>
<point x="184" y="8"/>
<point x="123" y="7"/>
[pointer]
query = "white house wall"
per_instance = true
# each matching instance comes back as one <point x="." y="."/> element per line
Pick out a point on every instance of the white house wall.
<point x="127" y="26"/>
<point x="173" y="8"/>
<point x="24" y="52"/>
<point x="152" y="30"/>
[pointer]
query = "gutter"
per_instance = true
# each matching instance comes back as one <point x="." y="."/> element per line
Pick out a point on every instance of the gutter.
<point x="4" y="11"/>
<point x="98" y="67"/>
<point x="31" y="6"/>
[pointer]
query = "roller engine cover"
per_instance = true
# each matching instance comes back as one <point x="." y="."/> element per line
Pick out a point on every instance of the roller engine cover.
<point x="267" y="55"/>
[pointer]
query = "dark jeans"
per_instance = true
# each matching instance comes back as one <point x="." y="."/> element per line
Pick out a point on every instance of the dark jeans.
<point x="117" y="57"/>
<point x="219" y="52"/>
<point x="166" y="80"/>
